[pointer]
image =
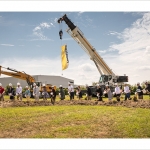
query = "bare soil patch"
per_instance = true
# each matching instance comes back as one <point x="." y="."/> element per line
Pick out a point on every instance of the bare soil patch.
<point x="127" y="103"/>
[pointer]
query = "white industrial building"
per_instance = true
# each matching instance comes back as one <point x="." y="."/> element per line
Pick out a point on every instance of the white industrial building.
<point x="47" y="79"/>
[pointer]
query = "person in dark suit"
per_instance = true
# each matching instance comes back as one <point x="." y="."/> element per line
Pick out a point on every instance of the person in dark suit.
<point x="147" y="88"/>
<point x="89" y="92"/>
<point x="99" y="93"/>
<point x="139" y="91"/>
<point x="52" y="94"/>
<point x="11" y="92"/>
<point x="61" y="93"/>
<point x="78" y="92"/>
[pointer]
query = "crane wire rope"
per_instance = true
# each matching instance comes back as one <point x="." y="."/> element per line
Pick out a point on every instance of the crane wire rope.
<point x="60" y="29"/>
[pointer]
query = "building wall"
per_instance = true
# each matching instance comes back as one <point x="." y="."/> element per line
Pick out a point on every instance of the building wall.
<point x="54" y="80"/>
<point x="5" y="81"/>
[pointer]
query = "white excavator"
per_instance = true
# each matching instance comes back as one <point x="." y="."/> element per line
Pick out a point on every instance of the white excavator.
<point x="107" y="77"/>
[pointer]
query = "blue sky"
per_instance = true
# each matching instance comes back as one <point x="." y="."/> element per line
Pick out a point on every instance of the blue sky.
<point x="29" y="42"/>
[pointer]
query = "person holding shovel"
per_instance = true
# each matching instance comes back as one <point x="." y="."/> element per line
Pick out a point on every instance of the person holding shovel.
<point x="11" y="92"/>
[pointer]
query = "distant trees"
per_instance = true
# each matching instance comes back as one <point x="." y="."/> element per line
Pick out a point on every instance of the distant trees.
<point x="94" y="83"/>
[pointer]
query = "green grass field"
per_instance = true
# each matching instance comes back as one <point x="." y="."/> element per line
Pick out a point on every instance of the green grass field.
<point x="74" y="122"/>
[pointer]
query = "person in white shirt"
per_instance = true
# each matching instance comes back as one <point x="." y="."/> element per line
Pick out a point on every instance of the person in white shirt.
<point x="36" y="91"/>
<point x="117" y="92"/>
<point x="127" y="92"/>
<point x="70" y="91"/>
<point x="19" y="91"/>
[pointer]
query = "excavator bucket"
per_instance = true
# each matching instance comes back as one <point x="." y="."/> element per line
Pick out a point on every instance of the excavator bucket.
<point x="0" y="70"/>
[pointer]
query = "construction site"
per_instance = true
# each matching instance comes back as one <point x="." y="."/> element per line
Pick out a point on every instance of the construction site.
<point x="53" y="106"/>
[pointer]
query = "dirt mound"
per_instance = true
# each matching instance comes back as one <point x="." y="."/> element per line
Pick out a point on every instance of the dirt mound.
<point x="128" y="103"/>
<point x="24" y="103"/>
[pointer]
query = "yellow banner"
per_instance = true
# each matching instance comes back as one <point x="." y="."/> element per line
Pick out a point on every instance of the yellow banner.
<point x="64" y="57"/>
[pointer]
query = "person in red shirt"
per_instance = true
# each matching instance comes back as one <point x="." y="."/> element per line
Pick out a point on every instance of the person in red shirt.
<point x="2" y="91"/>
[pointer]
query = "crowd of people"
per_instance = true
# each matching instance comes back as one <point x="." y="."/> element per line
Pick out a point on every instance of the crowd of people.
<point x="71" y="92"/>
<point x="18" y="92"/>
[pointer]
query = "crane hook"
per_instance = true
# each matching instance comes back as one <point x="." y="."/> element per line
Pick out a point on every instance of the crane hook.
<point x="60" y="34"/>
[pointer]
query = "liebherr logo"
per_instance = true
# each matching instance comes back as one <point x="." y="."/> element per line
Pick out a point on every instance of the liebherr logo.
<point x="66" y="54"/>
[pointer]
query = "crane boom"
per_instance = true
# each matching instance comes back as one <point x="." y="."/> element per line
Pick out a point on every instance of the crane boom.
<point x="107" y="75"/>
<point x="102" y="67"/>
<point x="78" y="36"/>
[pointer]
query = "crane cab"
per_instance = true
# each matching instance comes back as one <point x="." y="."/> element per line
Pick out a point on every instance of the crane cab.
<point x="114" y="79"/>
<point x="105" y="78"/>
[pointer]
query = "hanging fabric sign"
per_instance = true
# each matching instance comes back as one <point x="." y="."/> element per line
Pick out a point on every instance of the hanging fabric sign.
<point x="64" y="57"/>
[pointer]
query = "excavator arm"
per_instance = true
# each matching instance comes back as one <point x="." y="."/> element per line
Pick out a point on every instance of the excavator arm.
<point x="17" y="74"/>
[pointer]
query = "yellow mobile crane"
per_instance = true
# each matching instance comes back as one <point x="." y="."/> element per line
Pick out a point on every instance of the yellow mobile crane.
<point x="107" y="77"/>
<point x="22" y="75"/>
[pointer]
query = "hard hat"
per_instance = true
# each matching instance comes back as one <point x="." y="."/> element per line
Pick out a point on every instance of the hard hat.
<point x="26" y="86"/>
<point x="34" y="84"/>
<point x="18" y="83"/>
<point x="60" y="86"/>
<point x="138" y="83"/>
<point x="0" y="84"/>
<point x="43" y="84"/>
<point x="68" y="82"/>
<point x="10" y="84"/>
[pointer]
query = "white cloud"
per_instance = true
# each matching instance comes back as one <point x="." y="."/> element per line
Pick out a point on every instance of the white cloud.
<point x="41" y="38"/>
<point x="38" y="31"/>
<point x="81" y="70"/>
<point x="147" y="68"/>
<point x="45" y="25"/>
<point x="51" y="24"/>
<point x="37" y="28"/>
<point x="134" y="51"/>
<point x="84" y="21"/>
<point x="137" y="37"/>
<point x="113" y="33"/>
<point x="6" y="44"/>
<point x="86" y="67"/>
<point x="55" y="20"/>
<point x="102" y="51"/>
<point x="40" y="35"/>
